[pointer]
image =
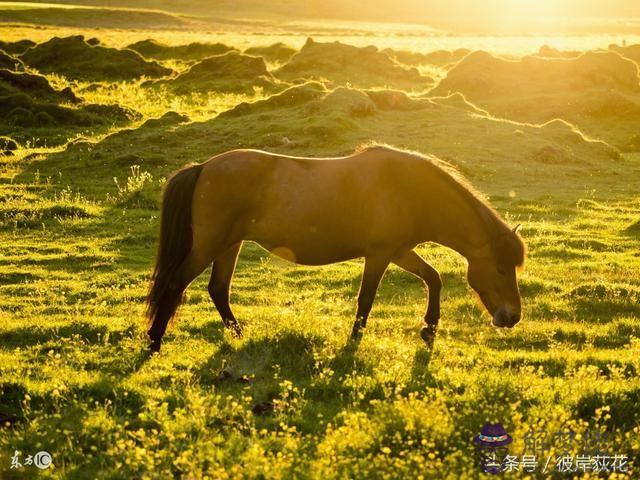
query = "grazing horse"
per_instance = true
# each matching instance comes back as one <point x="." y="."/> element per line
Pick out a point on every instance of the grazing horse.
<point x="379" y="203"/>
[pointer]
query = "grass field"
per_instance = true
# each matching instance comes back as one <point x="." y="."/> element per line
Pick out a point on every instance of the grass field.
<point x="293" y="399"/>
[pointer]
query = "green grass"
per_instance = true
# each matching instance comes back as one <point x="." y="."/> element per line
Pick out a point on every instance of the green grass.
<point x="77" y="252"/>
<point x="78" y="16"/>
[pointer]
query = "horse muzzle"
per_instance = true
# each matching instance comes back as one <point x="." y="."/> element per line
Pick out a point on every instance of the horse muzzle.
<point x="504" y="318"/>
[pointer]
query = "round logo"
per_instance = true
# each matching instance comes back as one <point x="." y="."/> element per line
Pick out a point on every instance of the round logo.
<point x="42" y="460"/>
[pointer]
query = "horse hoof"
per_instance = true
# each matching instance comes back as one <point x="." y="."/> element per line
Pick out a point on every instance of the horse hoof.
<point x="234" y="326"/>
<point x="356" y="335"/>
<point x="154" y="346"/>
<point x="428" y="334"/>
<point x="237" y="332"/>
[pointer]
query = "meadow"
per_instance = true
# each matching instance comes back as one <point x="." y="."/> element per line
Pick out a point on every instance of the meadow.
<point x="550" y="137"/>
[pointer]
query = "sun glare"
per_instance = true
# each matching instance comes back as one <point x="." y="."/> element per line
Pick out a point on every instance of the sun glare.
<point x="525" y="14"/>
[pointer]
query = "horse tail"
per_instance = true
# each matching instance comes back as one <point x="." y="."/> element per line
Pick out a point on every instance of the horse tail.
<point x="176" y="241"/>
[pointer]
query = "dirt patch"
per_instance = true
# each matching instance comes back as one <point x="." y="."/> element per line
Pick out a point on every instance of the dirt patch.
<point x="278" y="52"/>
<point x="193" y="51"/>
<point x="76" y="59"/>
<point x="231" y="72"/>
<point x="361" y="67"/>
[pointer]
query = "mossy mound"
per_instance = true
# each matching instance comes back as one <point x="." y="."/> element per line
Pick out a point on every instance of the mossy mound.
<point x="193" y="51"/>
<point x="278" y="52"/>
<point x="572" y="143"/>
<point x="76" y="59"/>
<point x="21" y="111"/>
<point x="9" y="62"/>
<point x="551" y="52"/>
<point x="439" y="57"/>
<point x="458" y="100"/>
<point x="315" y="96"/>
<point x="605" y="104"/>
<point x="28" y="103"/>
<point x="342" y="64"/>
<point x="34" y="86"/>
<point x="231" y="72"/>
<point x="597" y="91"/>
<point x="344" y="102"/>
<point x="169" y="118"/>
<point x="16" y="48"/>
<point x="291" y="97"/>
<point x="631" y="52"/>
<point x="339" y="119"/>
<point x="394" y="100"/>
<point x="633" y="229"/>
<point x="480" y="75"/>
<point x="7" y="145"/>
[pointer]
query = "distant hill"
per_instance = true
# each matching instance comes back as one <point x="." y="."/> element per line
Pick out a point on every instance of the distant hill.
<point x="620" y="16"/>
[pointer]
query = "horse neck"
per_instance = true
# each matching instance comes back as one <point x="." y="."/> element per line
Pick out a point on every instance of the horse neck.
<point x="466" y="227"/>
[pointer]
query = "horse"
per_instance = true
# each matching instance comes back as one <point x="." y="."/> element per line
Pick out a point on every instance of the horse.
<point x="379" y="203"/>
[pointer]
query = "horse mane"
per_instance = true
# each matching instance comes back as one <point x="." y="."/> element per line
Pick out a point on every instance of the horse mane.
<point x="505" y="240"/>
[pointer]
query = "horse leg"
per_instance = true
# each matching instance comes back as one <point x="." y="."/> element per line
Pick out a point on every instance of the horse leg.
<point x="219" y="284"/>
<point x="413" y="263"/>
<point x="190" y="268"/>
<point x="374" y="269"/>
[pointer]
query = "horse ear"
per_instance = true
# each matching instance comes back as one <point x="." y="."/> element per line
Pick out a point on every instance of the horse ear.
<point x="516" y="228"/>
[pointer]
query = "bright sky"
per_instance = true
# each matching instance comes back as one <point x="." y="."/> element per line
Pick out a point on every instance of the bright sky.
<point x="510" y="14"/>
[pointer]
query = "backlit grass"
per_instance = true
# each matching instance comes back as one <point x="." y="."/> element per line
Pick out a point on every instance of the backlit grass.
<point x="78" y="231"/>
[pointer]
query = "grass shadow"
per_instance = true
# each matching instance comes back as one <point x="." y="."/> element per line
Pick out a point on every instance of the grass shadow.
<point x="32" y="336"/>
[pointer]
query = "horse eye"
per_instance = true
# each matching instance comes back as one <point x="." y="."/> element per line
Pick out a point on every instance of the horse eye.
<point x="501" y="271"/>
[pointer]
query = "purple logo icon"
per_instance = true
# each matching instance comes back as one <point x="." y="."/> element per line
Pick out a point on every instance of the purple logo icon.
<point x="492" y="448"/>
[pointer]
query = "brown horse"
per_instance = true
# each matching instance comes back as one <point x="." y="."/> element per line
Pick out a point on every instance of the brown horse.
<point x="379" y="203"/>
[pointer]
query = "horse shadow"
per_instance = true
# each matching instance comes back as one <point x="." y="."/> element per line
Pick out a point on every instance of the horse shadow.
<point x="258" y="367"/>
<point x="262" y="364"/>
<point x="289" y="353"/>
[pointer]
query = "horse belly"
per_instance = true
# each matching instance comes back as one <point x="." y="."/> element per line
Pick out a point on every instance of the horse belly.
<point x="307" y="243"/>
